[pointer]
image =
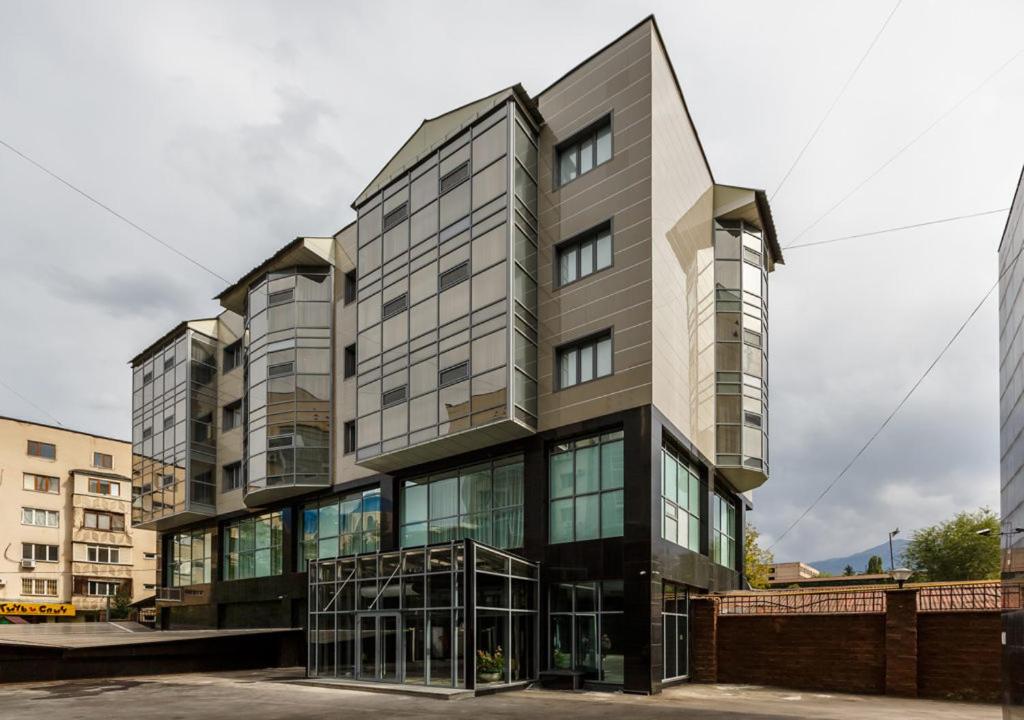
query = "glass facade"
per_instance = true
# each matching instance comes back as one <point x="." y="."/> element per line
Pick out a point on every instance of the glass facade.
<point x="190" y="558"/>
<point x="585" y="488"/>
<point x="174" y="410"/>
<point x="447" y="283"/>
<point x="682" y="496"/>
<point x="587" y="630"/>
<point x="483" y="502"/>
<point x="344" y="525"/>
<point x="253" y="547"/>
<point x="723" y="537"/>
<point x="675" y="610"/>
<point x="289" y="383"/>
<point x="741" y="346"/>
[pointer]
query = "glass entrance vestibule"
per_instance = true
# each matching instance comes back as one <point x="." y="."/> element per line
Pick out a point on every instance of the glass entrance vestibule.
<point x="457" y="614"/>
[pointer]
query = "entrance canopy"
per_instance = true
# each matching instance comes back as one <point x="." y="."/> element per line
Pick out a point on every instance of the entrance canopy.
<point x="457" y="614"/>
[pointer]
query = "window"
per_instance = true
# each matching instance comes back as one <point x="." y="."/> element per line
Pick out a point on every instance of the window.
<point x="233" y="415"/>
<point x="483" y="502"/>
<point x="232" y="476"/>
<point x="454" y="178"/>
<point x="102" y="588"/>
<point x="395" y="306"/>
<point x="345" y="525"/>
<point x="587" y="630"/>
<point x="233" y="355"/>
<point x="99" y="520"/>
<point x="47" y="451"/>
<point x="723" y="539"/>
<point x="682" y="494"/>
<point x="39" y="553"/>
<point x="168" y="422"/>
<point x="106" y="554"/>
<point x="253" y="547"/>
<point x="584" y="255"/>
<point x="147" y="377"/>
<point x="393" y="397"/>
<point x="280" y="297"/>
<point x="349" y="439"/>
<point x="147" y="432"/>
<point x="281" y="369"/>
<point x="40" y="518"/>
<point x="102" y="460"/>
<point x="38" y="586"/>
<point x="350" y="360"/>
<point x="99" y="486"/>
<point x="675" y="604"/>
<point x="452" y="277"/>
<point x="351" y="287"/>
<point x="41" y="483"/>
<point x="190" y="558"/>
<point x="396" y="216"/>
<point x="585" y="360"/>
<point x="585" y="152"/>
<point x="453" y="374"/>
<point x="585" y="481"/>
<point x="168" y="362"/>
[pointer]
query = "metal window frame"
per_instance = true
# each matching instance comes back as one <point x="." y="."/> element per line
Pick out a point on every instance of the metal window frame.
<point x="576" y="242"/>
<point x="591" y="339"/>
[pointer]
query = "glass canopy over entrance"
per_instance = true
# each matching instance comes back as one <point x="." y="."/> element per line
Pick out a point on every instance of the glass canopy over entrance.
<point x="457" y="614"/>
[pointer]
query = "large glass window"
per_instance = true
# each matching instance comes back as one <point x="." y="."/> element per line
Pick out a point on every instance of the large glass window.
<point x="483" y="502"/>
<point x="675" y="629"/>
<point x="338" y="526"/>
<point x="583" y="154"/>
<point x="682" y="494"/>
<point x="190" y="559"/>
<point x="586" y="630"/>
<point x="585" y="488"/>
<point x="40" y="518"/>
<point x="252" y="547"/>
<point x="585" y="360"/>
<point x="723" y="540"/>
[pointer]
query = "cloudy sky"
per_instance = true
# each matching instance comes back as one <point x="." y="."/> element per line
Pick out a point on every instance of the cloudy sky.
<point x="227" y="129"/>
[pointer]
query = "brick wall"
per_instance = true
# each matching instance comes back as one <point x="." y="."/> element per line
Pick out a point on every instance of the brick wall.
<point x="958" y="655"/>
<point x="839" y="653"/>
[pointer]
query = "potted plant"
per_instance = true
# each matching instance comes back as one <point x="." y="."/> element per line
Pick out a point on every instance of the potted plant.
<point x="563" y="660"/>
<point x="490" y="667"/>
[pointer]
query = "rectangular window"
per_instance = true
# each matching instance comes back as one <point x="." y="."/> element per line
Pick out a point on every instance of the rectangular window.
<point x="585" y="479"/>
<point x="168" y="363"/>
<point x="39" y="586"/>
<point x="395" y="306"/>
<point x="233" y="476"/>
<point x="39" y="553"/>
<point x="453" y="374"/>
<point x="452" y="277"/>
<point x="168" y="422"/>
<point x="147" y="432"/>
<point x="585" y="151"/>
<point x="99" y="486"/>
<point x="396" y="216"/>
<point x="583" y="256"/>
<point x="102" y="588"/>
<point x="102" y="460"/>
<point x="190" y="558"/>
<point x="682" y="496"/>
<point x="454" y="178"/>
<point x="41" y="483"/>
<point x="233" y="355"/>
<point x="341" y="525"/>
<point x="47" y="451"/>
<point x="393" y="397"/>
<point x="281" y="297"/>
<point x="350" y="437"/>
<point x="233" y="415"/>
<point x="585" y="360"/>
<point x="281" y="369"/>
<point x="723" y="538"/>
<point x="147" y="377"/>
<point x="103" y="554"/>
<point x="351" y="287"/>
<point x="350" y="360"/>
<point x="98" y="520"/>
<point x="40" y="518"/>
<point x="253" y="546"/>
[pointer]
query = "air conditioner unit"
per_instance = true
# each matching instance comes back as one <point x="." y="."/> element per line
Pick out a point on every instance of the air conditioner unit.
<point x="29" y="564"/>
<point x="2" y="582"/>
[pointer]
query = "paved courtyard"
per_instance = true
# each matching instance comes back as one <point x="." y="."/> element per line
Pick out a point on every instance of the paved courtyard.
<point x="268" y="694"/>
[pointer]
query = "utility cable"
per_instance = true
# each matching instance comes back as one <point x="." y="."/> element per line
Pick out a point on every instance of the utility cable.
<point x="18" y="394"/>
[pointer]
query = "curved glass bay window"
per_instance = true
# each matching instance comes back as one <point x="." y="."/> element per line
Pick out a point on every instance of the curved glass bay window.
<point x="253" y="546"/>
<point x="741" y="352"/>
<point x="587" y="630"/>
<point x="289" y="384"/>
<point x="344" y="525"/>
<point x="586" y="477"/>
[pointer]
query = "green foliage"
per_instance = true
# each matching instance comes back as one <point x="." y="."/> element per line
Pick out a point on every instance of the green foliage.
<point x="953" y="550"/>
<point x="875" y="566"/>
<point x="848" y="571"/>
<point x="120" y="606"/>
<point x="756" y="560"/>
<point x="490" y="662"/>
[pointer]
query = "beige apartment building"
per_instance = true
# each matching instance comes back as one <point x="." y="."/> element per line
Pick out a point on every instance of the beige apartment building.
<point x="65" y="524"/>
<point x="791" y="572"/>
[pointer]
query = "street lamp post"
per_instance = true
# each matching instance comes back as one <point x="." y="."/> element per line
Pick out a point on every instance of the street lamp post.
<point x="892" y="558"/>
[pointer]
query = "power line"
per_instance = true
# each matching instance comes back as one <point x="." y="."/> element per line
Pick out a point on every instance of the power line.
<point x="110" y="210"/>
<point x="910" y="144"/>
<point x="835" y="102"/>
<point x="906" y="397"/>
<point x="18" y="394"/>
<point x="901" y="227"/>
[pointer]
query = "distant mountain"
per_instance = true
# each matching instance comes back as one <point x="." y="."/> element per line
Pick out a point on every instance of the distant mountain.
<point x="859" y="560"/>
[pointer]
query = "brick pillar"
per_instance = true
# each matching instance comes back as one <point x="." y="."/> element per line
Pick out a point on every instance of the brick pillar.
<point x="704" y="639"/>
<point x="901" y="642"/>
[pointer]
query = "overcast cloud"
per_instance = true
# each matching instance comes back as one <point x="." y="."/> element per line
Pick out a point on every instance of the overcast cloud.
<point x="229" y="128"/>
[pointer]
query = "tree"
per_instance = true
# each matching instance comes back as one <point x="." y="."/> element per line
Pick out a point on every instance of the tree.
<point x="875" y="565"/>
<point x="953" y="550"/>
<point x="121" y="606"/>
<point x="848" y="571"/>
<point x="756" y="560"/>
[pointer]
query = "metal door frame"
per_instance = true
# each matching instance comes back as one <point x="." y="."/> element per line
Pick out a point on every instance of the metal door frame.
<point x="377" y="616"/>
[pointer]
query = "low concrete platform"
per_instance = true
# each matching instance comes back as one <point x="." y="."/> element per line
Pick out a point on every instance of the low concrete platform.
<point x="93" y="635"/>
<point x="425" y="691"/>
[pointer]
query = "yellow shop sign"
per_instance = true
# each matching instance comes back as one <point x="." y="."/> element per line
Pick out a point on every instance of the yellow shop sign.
<point x="28" y="608"/>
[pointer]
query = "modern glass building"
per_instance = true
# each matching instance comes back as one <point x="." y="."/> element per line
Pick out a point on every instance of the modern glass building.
<point x="501" y="426"/>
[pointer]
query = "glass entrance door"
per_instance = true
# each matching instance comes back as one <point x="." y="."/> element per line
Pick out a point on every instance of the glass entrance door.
<point x="379" y="647"/>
